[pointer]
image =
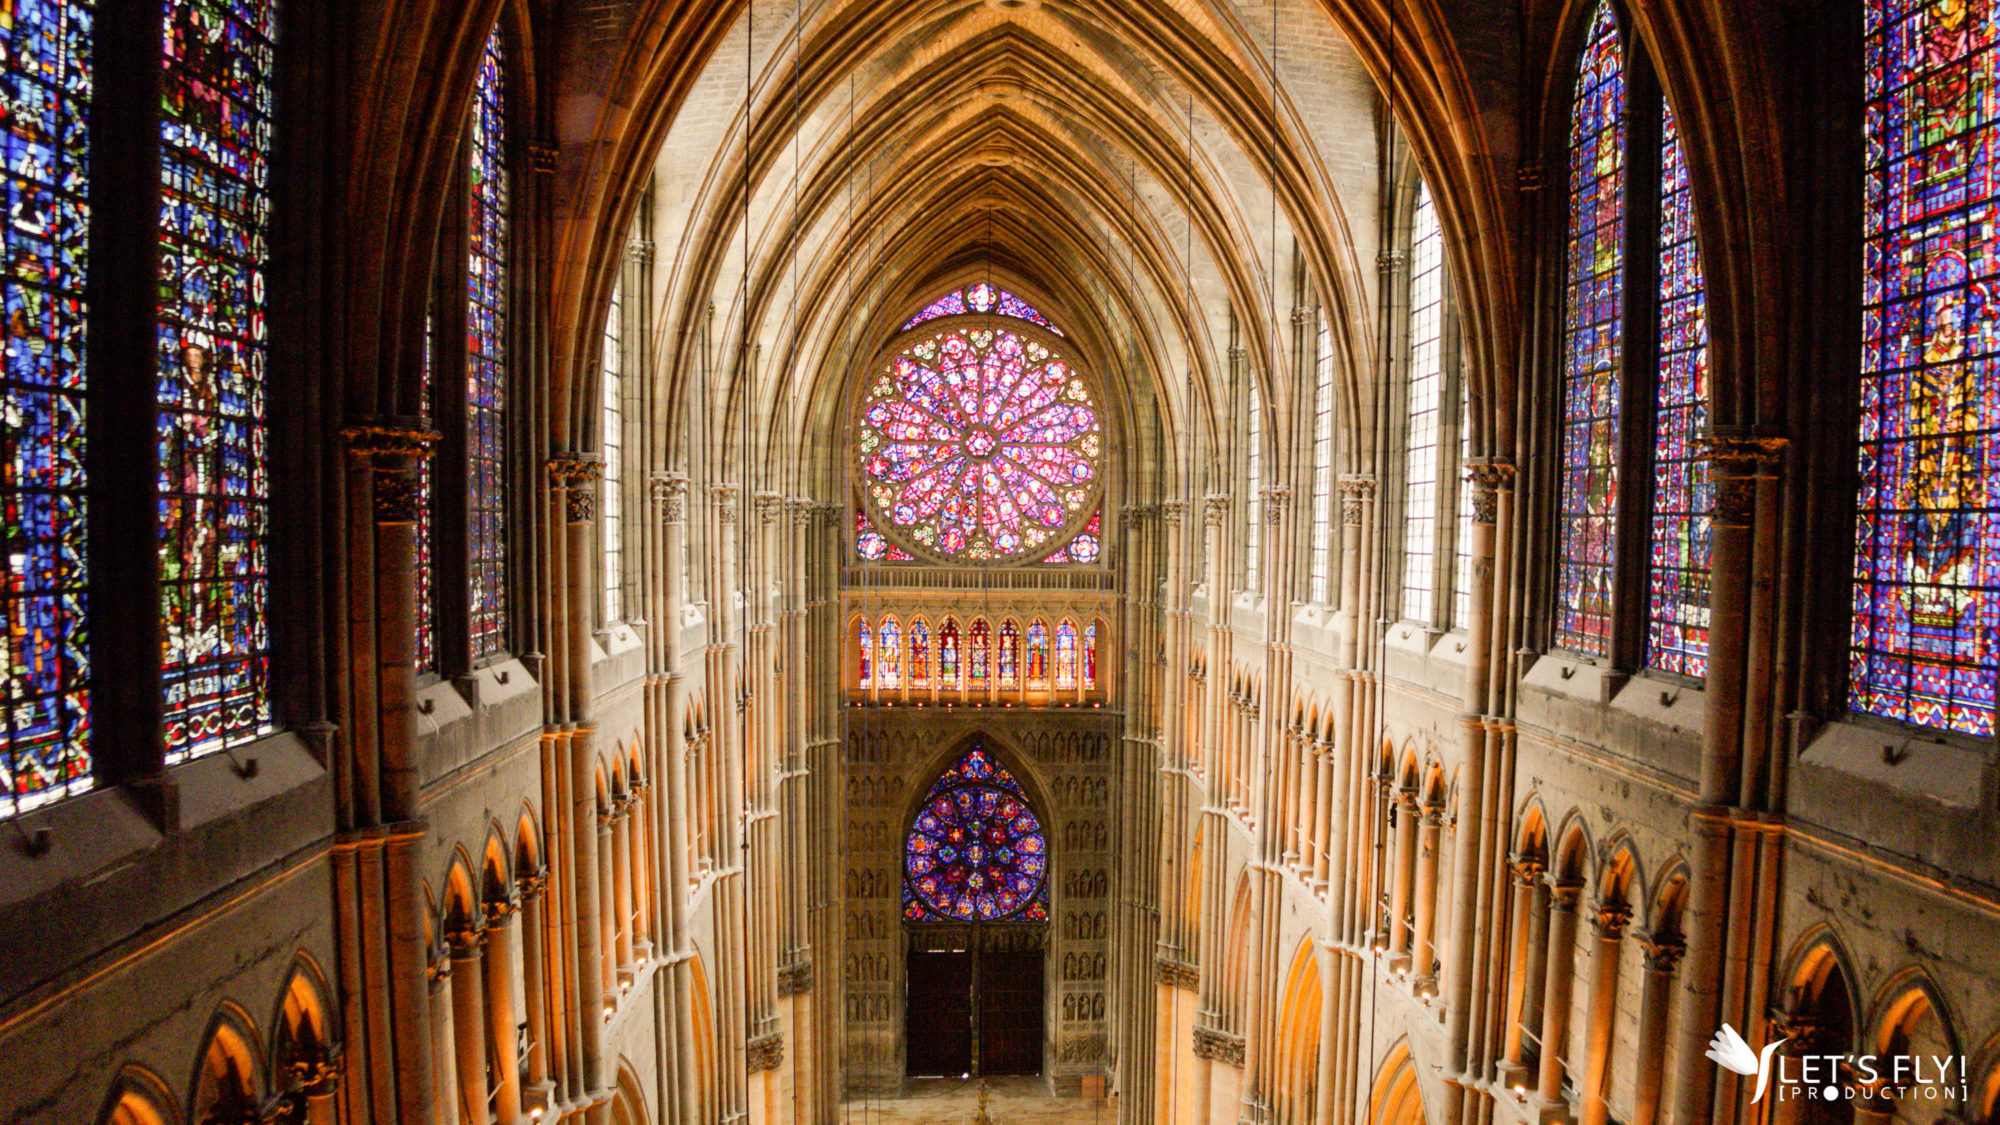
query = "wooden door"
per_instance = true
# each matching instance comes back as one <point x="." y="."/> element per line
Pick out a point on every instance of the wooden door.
<point x="1010" y="1012"/>
<point x="938" y="1021"/>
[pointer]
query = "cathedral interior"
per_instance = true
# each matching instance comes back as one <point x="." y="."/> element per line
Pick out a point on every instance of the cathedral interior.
<point x="1229" y="562"/>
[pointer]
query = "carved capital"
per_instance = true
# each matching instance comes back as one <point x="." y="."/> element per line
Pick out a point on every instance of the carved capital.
<point x="1172" y="511"/>
<point x="765" y="1052"/>
<point x="315" y="1074"/>
<point x="1609" y="919"/>
<point x="1302" y="314"/>
<point x="795" y="979"/>
<point x="542" y="157"/>
<point x="1355" y="492"/>
<point x="802" y="509"/>
<point x="1389" y="261"/>
<point x="465" y="942"/>
<point x="413" y="439"/>
<point x="438" y="968"/>
<point x="640" y="250"/>
<point x="769" y="506"/>
<point x="1528" y="176"/>
<point x="724" y="498"/>
<point x="1526" y="867"/>
<point x="1215" y="508"/>
<point x="1176" y="974"/>
<point x="1663" y="954"/>
<point x="500" y="911"/>
<point x="1276" y="499"/>
<point x="670" y="492"/>
<point x="532" y="883"/>
<point x="1564" y="894"/>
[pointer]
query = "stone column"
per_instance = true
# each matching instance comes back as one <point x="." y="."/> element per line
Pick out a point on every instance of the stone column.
<point x="1608" y="922"/>
<point x="499" y="975"/>
<point x="1430" y="830"/>
<point x="608" y="922"/>
<point x="1656" y="997"/>
<point x="468" y="1020"/>
<point x="621" y="883"/>
<point x="1322" y="817"/>
<point x="1560" y="978"/>
<point x="444" y="1089"/>
<point x="1404" y="809"/>
<point x="534" y="987"/>
<point x="1527" y="871"/>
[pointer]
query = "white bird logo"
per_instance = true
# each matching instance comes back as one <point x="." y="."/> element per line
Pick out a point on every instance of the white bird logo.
<point x="1731" y="1053"/>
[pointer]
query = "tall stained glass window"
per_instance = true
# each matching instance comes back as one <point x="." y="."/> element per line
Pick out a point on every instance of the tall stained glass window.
<point x="426" y="561"/>
<point x="46" y="753"/>
<point x="1677" y="579"/>
<point x="1090" y="634"/>
<point x="1426" y="382"/>
<point x="950" y="670"/>
<point x="1009" y="655"/>
<point x="215" y="147"/>
<point x="978" y="445"/>
<point x="861" y="648"/>
<point x="1926" y="633"/>
<point x="1593" y="319"/>
<point x="976" y="851"/>
<point x="978" y="652"/>
<point x="920" y="653"/>
<point x="614" y="458"/>
<point x="1322" y="479"/>
<point x="1066" y="655"/>
<point x="1038" y="653"/>
<point x="889" y="654"/>
<point x="486" y="357"/>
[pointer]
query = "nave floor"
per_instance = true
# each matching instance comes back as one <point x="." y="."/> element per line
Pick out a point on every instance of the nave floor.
<point x="955" y="1101"/>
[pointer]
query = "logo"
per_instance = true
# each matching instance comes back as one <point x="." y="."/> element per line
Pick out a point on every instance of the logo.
<point x="1833" y="1078"/>
<point x="1730" y="1052"/>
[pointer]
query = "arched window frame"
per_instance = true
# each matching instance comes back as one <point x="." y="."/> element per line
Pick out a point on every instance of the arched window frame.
<point x="452" y="520"/>
<point x="1436" y="458"/>
<point x="1624" y="643"/>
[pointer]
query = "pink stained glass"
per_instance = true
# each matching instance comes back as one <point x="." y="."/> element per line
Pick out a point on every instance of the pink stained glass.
<point x="872" y="545"/>
<point x="950" y="670"/>
<point x="1593" y="325"/>
<point x="1090" y="656"/>
<point x="920" y="653"/>
<point x="889" y="656"/>
<point x="980" y="297"/>
<point x="1066" y="655"/>
<point x="977" y="445"/>
<point x="1087" y="547"/>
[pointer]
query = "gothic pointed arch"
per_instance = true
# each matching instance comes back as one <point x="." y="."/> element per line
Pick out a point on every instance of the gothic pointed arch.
<point x="975" y="850"/>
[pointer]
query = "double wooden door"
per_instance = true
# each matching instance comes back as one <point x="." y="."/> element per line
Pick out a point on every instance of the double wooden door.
<point x="974" y="1011"/>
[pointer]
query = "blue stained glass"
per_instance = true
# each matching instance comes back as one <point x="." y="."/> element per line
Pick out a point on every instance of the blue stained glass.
<point x="215" y="133"/>
<point x="1677" y="576"/>
<point x="975" y="851"/>
<point x="1593" y="326"/>
<point x="1086" y="547"/>
<point x="45" y="752"/>
<point x="486" y="357"/>
<point x="1926" y="627"/>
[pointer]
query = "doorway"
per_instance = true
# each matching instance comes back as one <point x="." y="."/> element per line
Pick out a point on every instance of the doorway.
<point x="974" y="1011"/>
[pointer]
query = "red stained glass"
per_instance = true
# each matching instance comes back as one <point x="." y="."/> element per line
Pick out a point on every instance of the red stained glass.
<point x="976" y="851"/>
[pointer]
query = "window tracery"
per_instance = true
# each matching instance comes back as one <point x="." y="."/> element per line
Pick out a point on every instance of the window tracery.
<point x="975" y="851"/>
<point x="486" y="345"/>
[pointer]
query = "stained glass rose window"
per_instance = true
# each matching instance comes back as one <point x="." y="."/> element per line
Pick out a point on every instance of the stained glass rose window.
<point x="976" y="851"/>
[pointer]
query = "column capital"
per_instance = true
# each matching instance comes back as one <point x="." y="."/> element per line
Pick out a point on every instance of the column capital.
<point x="500" y="911"/>
<point x="1609" y="919"/>
<point x="465" y="941"/>
<point x="1172" y="511"/>
<point x="315" y="1072"/>
<point x="1215" y="508"/>
<point x="724" y="497"/>
<point x="1488" y="477"/>
<point x="802" y="509"/>
<point x="1564" y="894"/>
<point x="769" y="505"/>
<point x="532" y="883"/>
<point x="670" y="492"/>
<point x="639" y="250"/>
<point x="438" y="968"/>
<point x="1663" y="954"/>
<point x="1276" y="499"/>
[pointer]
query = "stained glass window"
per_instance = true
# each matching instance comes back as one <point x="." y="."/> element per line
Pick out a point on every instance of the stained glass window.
<point x="1010" y="654"/>
<point x="1322" y="480"/>
<point x="1086" y="547"/>
<point x="871" y="545"/>
<point x="1677" y="580"/>
<point x="1090" y="656"/>
<point x="426" y="563"/>
<point x="889" y="654"/>
<point x="976" y="851"/>
<point x="1038" y="653"/>
<point x="950" y="671"/>
<point x="1426" y="383"/>
<point x="979" y="654"/>
<point x="978" y="445"/>
<point x="1066" y="655"/>
<point x="1926" y="636"/>
<point x="46" y="752"/>
<point x="1593" y="319"/>
<point x="486" y="357"/>
<point x="981" y="298"/>
<point x="920" y="653"/>
<point x="862" y="648"/>
<point x="614" y="458"/>
<point x="215" y="146"/>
